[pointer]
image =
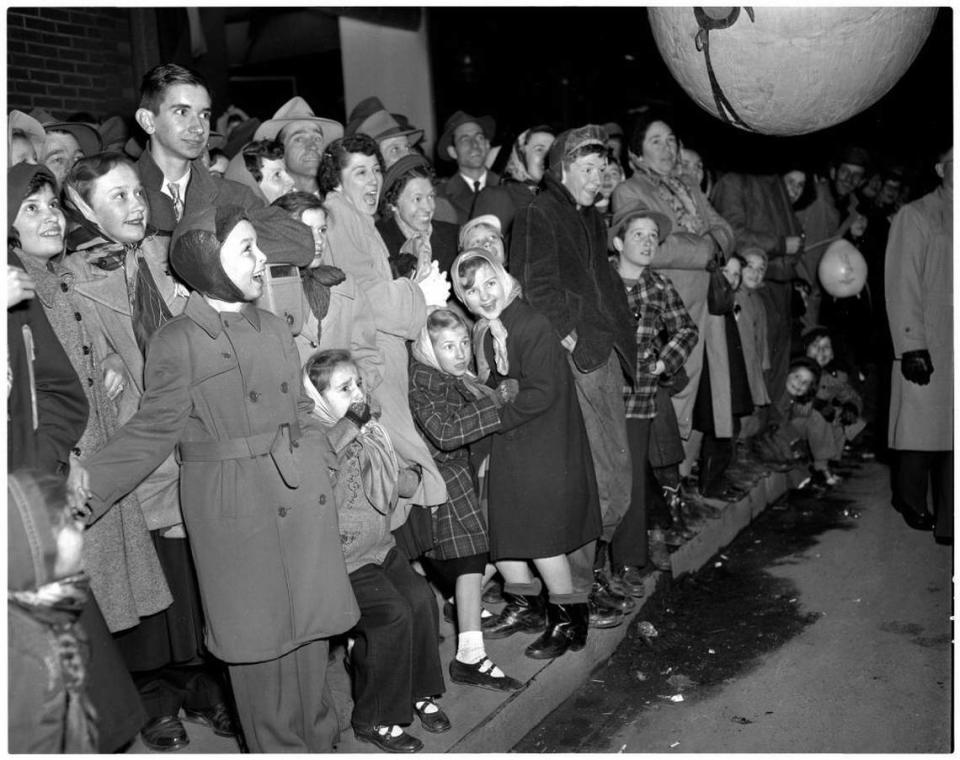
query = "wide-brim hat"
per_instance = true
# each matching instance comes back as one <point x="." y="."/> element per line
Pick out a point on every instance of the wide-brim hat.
<point x="638" y="210"/>
<point x="32" y="128"/>
<point x="297" y="109"/>
<point x="240" y="135"/>
<point x="369" y="117"/>
<point x="87" y="137"/>
<point x="487" y="124"/>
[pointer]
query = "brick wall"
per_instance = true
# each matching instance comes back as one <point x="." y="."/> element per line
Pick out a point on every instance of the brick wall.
<point x="70" y="59"/>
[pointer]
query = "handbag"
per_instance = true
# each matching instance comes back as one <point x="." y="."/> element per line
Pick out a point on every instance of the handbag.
<point x="720" y="293"/>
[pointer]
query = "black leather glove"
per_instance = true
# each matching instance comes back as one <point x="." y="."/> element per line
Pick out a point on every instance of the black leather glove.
<point x="916" y="366"/>
<point x="848" y="413"/>
<point x="358" y="413"/>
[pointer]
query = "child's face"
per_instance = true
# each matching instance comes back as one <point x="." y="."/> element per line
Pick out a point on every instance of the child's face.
<point x="754" y="271"/>
<point x="452" y="347"/>
<point x="731" y="270"/>
<point x="640" y="241"/>
<point x="486" y="298"/>
<point x="799" y="381"/>
<point x="344" y="388"/>
<point x="821" y="351"/>
<point x="485" y="237"/>
<point x="316" y="220"/>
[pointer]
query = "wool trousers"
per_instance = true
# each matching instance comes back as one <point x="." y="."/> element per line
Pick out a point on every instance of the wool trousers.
<point x="629" y="545"/>
<point x="914" y="473"/>
<point x="395" y="658"/>
<point x="600" y="394"/>
<point x="285" y="705"/>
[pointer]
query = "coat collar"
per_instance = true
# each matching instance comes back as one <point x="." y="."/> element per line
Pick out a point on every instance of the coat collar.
<point x="209" y="318"/>
<point x="201" y="190"/>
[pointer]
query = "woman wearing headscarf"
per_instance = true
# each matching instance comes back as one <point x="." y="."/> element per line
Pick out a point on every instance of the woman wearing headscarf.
<point x="521" y="178"/>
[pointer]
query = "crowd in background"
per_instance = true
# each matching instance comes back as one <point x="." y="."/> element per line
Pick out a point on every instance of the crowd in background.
<point x="275" y="385"/>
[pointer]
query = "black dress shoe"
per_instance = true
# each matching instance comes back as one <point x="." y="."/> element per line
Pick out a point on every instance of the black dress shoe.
<point x="403" y="742"/>
<point x="435" y="722"/>
<point x="608" y="596"/>
<point x="164" y="734"/>
<point x="601" y="616"/>
<point x="918" y="520"/>
<point x="479" y="674"/>
<point x="523" y="614"/>
<point x="217" y="717"/>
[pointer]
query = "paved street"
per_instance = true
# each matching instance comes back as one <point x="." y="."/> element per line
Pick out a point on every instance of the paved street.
<point x="824" y="628"/>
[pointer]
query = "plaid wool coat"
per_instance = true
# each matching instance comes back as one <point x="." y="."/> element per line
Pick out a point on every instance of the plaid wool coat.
<point x="450" y="417"/>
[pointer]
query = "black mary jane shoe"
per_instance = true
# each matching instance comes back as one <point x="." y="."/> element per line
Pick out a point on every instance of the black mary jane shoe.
<point x="479" y="674"/>
<point x="164" y="734"/>
<point x="435" y="722"/>
<point x="403" y="742"/>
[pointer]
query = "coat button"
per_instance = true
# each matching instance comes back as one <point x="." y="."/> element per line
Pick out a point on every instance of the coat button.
<point x="86" y="349"/>
<point x="254" y="396"/>
<point x="225" y="354"/>
<point x="64" y="287"/>
<point x="322" y="499"/>
<point x="283" y="387"/>
<point x="295" y="444"/>
<point x="76" y="316"/>
<point x="90" y="381"/>
<point x="75" y="451"/>
<point x="282" y="511"/>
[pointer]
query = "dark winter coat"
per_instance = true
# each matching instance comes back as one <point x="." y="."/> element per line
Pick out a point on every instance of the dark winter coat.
<point x="43" y="382"/>
<point x="504" y="201"/>
<point x="543" y="490"/>
<point x="559" y="254"/>
<point x="257" y="503"/>
<point x="760" y="212"/>
<point x="443" y="241"/>
<point x="461" y="195"/>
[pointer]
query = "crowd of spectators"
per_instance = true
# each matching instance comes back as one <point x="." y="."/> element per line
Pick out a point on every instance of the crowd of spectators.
<point x="275" y="388"/>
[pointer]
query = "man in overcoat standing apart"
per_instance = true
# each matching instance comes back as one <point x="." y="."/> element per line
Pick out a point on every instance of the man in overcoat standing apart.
<point x="559" y="253"/>
<point x="919" y="294"/>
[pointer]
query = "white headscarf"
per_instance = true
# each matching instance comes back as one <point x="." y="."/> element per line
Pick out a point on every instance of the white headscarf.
<point x="511" y="289"/>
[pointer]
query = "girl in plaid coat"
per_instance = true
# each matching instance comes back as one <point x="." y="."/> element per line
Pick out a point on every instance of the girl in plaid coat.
<point x="453" y="409"/>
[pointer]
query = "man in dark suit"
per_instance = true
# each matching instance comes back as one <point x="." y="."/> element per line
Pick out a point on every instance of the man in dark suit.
<point x="466" y="140"/>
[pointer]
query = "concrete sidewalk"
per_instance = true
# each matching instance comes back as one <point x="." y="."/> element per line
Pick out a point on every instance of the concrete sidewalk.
<point x="487" y="721"/>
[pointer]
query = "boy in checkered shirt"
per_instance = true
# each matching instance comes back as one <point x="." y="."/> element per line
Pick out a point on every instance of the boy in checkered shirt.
<point x="665" y="337"/>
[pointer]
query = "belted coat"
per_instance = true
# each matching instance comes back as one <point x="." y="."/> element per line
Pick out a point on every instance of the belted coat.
<point x="225" y="390"/>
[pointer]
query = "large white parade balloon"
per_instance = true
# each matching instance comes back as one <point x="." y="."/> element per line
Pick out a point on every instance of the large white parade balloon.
<point x="788" y="71"/>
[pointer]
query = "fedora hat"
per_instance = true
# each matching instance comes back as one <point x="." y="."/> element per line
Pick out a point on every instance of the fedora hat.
<point x="487" y="124"/>
<point x="32" y="128"/>
<point x="638" y="210"/>
<point x="297" y="109"/>
<point x="87" y="137"/>
<point x="369" y="117"/>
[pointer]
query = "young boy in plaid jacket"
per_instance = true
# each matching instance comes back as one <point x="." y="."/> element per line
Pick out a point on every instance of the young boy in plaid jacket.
<point x="665" y="336"/>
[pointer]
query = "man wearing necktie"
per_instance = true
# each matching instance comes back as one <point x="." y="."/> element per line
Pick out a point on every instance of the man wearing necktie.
<point x="175" y="112"/>
<point x="466" y="140"/>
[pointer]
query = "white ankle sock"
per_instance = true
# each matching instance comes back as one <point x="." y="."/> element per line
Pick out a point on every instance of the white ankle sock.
<point x="470" y="649"/>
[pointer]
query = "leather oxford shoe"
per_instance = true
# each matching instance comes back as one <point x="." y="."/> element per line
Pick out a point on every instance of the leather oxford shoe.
<point x="164" y="734"/>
